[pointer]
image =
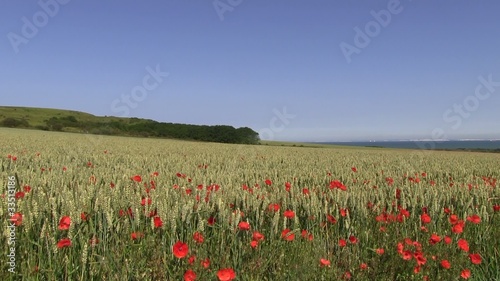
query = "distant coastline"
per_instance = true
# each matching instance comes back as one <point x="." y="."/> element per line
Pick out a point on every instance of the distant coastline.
<point x="464" y="145"/>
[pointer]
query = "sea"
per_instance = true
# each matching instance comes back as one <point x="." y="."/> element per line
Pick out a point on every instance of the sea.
<point x="452" y="144"/>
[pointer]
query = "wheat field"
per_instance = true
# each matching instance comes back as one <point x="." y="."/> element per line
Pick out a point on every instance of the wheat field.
<point x="86" y="207"/>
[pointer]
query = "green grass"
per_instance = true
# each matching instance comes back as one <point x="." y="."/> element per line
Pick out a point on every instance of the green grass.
<point x="317" y="145"/>
<point x="37" y="116"/>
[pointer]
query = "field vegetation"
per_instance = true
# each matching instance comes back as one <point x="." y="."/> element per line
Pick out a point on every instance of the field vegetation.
<point x="119" y="208"/>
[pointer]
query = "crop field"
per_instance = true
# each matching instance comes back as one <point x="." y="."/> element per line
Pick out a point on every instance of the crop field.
<point x="84" y="207"/>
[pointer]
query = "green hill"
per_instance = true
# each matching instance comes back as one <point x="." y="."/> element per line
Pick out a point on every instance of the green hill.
<point x="81" y="122"/>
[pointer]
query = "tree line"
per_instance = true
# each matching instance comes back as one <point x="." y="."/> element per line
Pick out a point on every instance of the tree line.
<point x="143" y="128"/>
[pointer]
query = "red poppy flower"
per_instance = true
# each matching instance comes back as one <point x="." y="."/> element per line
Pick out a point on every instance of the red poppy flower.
<point x="244" y="225"/>
<point x="65" y="242"/>
<point x="192" y="259"/>
<point x="136" y="235"/>
<point x="180" y="250"/>
<point x="331" y="219"/>
<point x="305" y="191"/>
<point x="458" y="227"/>
<point x="445" y="264"/>
<point x="19" y="195"/>
<point x="198" y="237"/>
<point x="257" y="236"/>
<point x="274" y="207"/>
<point x="213" y="187"/>
<point x="453" y="219"/>
<point x="268" y="182"/>
<point x="463" y="245"/>
<point x="324" y="262"/>
<point x="287" y="235"/>
<point x="145" y="201"/>
<point x="421" y="260"/>
<point x="475" y="258"/>
<point x="137" y="178"/>
<point x="157" y="222"/>
<point x="153" y="213"/>
<point x="417" y="269"/>
<point x="353" y="239"/>
<point x="189" y="275"/>
<point x="288" y="186"/>
<point x="398" y="193"/>
<point x="363" y="266"/>
<point x="407" y="255"/>
<point x="404" y="213"/>
<point x="417" y="245"/>
<point x="254" y="244"/>
<point x="390" y="181"/>
<point x="27" y="188"/>
<point x="434" y="239"/>
<point x="17" y="219"/>
<point x="126" y="212"/>
<point x="425" y="218"/>
<point x="84" y="216"/>
<point x="347" y="275"/>
<point x="64" y="223"/>
<point x="447" y="240"/>
<point x="337" y="184"/>
<point x="400" y="248"/>
<point x="289" y="214"/>
<point x="465" y="274"/>
<point x="306" y="235"/>
<point x="380" y="251"/>
<point x="344" y="212"/>
<point x="205" y="263"/>
<point x="226" y="274"/>
<point x="496" y="208"/>
<point x="474" y="219"/>
<point x="211" y="221"/>
<point x="342" y="243"/>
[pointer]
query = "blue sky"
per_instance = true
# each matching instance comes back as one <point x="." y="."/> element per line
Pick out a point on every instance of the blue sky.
<point x="291" y="70"/>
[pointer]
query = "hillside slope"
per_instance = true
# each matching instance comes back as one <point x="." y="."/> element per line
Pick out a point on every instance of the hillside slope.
<point x="81" y="122"/>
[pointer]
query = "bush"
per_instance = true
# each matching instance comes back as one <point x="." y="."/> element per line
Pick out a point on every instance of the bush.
<point x="14" y="123"/>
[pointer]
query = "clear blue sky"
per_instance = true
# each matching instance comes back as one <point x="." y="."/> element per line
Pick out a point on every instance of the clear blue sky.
<point x="242" y="64"/>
